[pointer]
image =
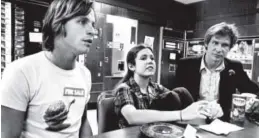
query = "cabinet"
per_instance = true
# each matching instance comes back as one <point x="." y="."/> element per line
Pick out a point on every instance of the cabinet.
<point x="18" y="22"/>
<point x="6" y="35"/>
<point x="172" y="51"/>
<point x="106" y="59"/>
<point x="94" y="59"/>
<point x="255" y="73"/>
<point x="195" y="47"/>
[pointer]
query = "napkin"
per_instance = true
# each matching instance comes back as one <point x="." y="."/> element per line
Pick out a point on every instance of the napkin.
<point x="220" y="127"/>
<point x="189" y="132"/>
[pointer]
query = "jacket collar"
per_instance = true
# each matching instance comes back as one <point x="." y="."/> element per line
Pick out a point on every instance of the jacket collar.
<point x="204" y="67"/>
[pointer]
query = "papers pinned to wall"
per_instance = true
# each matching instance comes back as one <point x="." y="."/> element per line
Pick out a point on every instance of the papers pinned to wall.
<point x="172" y="56"/>
<point x="35" y="37"/>
<point x="149" y="41"/>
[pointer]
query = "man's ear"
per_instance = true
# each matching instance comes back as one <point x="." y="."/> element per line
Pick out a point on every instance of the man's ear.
<point x="206" y="46"/>
<point x="131" y="67"/>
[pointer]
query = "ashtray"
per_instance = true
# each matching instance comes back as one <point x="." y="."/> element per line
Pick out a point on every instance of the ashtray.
<point x="162" y="130"/>
<point x="197" y="136"/>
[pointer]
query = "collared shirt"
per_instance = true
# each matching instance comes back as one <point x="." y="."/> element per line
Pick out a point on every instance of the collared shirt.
<point x="129" y="93"/>
<point x="209" y="84"/>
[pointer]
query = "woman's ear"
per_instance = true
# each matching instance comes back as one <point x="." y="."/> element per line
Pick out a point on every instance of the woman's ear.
<point x="131" y="67"/>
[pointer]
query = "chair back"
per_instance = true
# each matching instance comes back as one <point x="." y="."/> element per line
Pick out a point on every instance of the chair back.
<point x="106" y="117"/>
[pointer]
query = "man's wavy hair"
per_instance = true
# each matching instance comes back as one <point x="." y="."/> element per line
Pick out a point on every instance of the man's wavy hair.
<point x="59" y="12"/>
<point x="222" y="29"/>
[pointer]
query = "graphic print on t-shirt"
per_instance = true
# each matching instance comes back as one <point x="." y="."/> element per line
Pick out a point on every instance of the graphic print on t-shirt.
<point x="78" y="92"/>
<point x="56" y="114"/>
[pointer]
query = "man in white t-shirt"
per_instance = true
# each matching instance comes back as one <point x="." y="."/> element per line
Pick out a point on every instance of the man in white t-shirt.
<point x="45" y="94"/>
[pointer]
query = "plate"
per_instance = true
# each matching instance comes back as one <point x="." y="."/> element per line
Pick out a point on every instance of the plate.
<point x="161" y="130"/>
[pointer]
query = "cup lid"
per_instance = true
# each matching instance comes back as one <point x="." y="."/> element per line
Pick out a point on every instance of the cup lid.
<point x="249" y="95"/>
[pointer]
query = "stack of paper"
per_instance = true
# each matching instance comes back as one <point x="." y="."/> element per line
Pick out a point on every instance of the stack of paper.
<point x="220" y="127"/>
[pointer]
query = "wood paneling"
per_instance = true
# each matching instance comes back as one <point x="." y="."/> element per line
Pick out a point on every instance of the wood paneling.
<point x="243" y="13"/>
<point x="153" y="31"/>
<point x="110" y="82"/>
<point x="164" y="13"/>
<point x="130" y="5"/>
<point x="94" y="59"/>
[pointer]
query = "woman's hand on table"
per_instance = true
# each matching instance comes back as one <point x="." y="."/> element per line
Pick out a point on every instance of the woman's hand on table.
<point x="193" y="111"/>
<point x="212" y="110"/>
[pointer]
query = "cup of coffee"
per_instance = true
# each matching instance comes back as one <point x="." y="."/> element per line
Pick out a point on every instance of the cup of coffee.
<point x="253" y="114"/>
<point x="250" y="99"/>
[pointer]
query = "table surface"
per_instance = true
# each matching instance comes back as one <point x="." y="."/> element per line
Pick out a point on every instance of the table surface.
<point x="250" y="130"/>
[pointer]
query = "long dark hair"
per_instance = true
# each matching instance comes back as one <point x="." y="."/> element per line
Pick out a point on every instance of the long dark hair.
<point x="130" y="59"/>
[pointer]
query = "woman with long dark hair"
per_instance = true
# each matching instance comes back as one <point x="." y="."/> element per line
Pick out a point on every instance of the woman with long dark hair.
<point x="139" y="100"/>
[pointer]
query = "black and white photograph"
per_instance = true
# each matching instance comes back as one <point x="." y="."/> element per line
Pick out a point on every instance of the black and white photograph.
<point x="129" y="69"/>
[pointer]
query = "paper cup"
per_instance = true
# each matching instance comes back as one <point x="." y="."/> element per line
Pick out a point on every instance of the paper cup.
<point x="250" y="99"/>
